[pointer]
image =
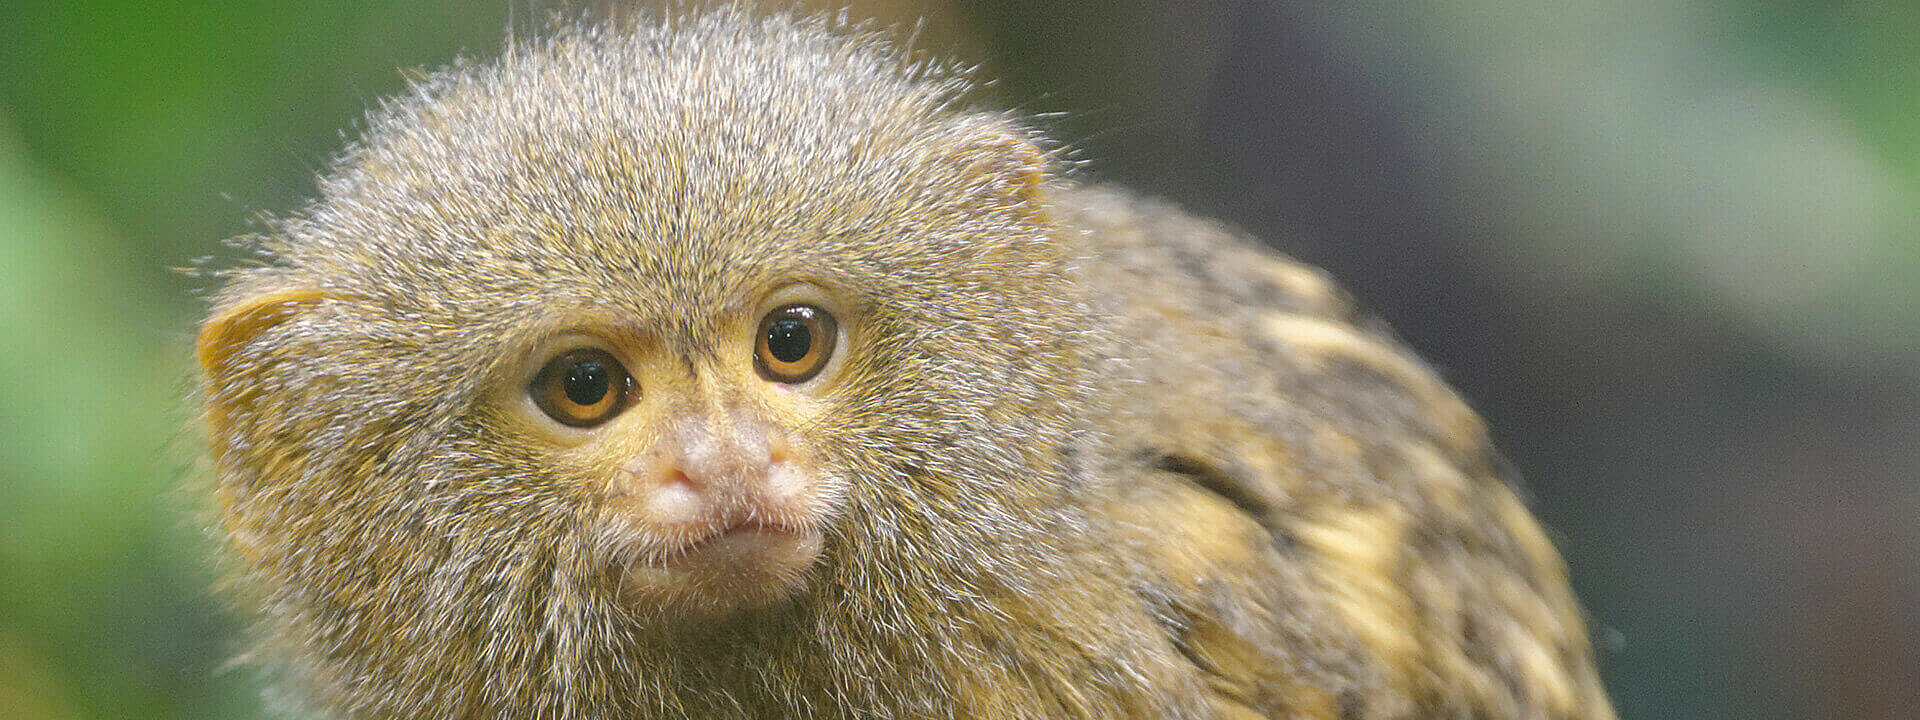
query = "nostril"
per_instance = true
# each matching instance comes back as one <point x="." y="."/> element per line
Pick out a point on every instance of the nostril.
<point x="677" y="477"/>
<point x="777" y="451"/>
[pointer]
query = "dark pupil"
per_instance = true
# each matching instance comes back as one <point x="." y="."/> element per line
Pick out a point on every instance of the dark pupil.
<point x="789" y="339"/>
<point x="586" y="382"/>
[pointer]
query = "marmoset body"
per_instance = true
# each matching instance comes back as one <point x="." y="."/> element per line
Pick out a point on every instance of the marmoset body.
<point x="737" y="367"/>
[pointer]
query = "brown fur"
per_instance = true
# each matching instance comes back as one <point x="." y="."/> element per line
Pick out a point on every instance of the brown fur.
<point x="1101" y="460"/>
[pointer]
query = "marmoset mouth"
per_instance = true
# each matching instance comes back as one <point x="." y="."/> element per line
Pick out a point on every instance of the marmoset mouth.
<point x="745" y="542"/>
<point x="737" y="566"/>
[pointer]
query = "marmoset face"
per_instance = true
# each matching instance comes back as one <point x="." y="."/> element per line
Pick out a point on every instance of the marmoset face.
<point x="712" y="491"/>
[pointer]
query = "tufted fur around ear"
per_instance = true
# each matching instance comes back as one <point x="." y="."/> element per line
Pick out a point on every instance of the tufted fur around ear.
<point x="224" y="336"/>
<point x="1008" y="169"/>
<point x="227" y="362"/>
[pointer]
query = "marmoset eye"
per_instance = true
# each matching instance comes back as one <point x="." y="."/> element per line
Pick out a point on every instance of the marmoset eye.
<point x="795" y="342"/>
<point x="582" y="387"/>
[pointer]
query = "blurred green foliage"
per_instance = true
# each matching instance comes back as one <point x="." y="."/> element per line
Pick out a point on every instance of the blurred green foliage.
<point x="97" y="595"/>
<point x="134" y="137"/>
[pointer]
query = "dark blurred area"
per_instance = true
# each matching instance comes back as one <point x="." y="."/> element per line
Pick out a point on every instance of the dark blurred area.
<point x="1669" y="248"/>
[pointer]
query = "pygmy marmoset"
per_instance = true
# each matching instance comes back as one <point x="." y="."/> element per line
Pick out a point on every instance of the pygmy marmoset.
<point x="735" y="366"/>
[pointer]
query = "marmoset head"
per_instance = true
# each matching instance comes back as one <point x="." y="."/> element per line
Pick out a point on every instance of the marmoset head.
<point x="638" y="326"/>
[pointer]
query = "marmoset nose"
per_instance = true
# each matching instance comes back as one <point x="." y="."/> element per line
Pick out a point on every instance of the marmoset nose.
<point x="715" y="469"/>
<point x="716" y="456"/>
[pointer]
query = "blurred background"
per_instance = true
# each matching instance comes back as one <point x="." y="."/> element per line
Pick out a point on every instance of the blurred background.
<point x="1668" y="247"/>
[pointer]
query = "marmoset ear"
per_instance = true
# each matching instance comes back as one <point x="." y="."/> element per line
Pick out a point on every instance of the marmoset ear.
<point x="1004" y="167"/>
<point x="226" y="336"/>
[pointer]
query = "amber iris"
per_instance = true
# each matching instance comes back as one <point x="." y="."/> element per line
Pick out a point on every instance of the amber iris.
<point x="582" y="387"/>
<point x="795" y="342"/>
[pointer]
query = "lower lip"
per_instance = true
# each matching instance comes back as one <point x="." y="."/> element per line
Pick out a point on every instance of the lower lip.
<point x="742" y="545"/>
